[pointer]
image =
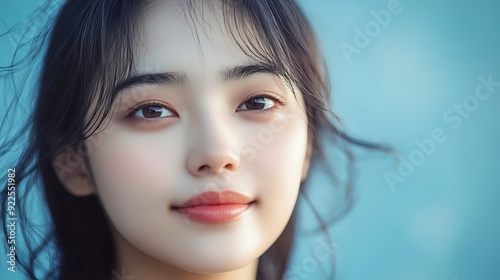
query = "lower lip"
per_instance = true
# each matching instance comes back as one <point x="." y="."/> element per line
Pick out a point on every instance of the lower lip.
<point x="214" y="214"/>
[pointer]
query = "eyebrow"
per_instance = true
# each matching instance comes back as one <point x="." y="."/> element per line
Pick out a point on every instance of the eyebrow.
<point x="245" y="71"/>
<point x="165" y="78"/>
<point x="180" y="78"/>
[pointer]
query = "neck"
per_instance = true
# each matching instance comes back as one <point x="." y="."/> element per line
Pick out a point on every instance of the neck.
<point x="132" y="262"/>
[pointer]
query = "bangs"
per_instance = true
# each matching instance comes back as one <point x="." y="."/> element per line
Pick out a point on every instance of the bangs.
<point x="108" y="51"/>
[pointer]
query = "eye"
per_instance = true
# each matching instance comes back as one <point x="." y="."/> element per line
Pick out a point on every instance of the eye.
<point x="260" y="102"/>
<point x="151" y="110"/>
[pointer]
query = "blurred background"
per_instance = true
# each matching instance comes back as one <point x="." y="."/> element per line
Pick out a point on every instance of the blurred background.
<point x="424" y="77"/>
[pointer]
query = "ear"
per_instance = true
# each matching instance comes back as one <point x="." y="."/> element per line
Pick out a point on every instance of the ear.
<point x="307" y="160"/>
<point x="71" y="170"/>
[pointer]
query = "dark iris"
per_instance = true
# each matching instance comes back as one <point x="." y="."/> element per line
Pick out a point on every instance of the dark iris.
<point x="256" y="103"/>
<point x="152" y="111"/>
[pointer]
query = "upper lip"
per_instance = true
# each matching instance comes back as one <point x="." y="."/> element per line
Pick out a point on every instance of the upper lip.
<point x="216" y="198"/>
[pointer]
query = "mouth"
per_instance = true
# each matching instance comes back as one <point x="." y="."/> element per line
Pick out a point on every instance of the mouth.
<point x="215" y="207"/>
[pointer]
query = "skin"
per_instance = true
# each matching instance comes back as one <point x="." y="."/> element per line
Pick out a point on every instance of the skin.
<point x="205" y="140"/>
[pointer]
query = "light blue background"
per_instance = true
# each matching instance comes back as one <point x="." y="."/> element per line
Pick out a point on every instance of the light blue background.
<point x="442" y="222"/>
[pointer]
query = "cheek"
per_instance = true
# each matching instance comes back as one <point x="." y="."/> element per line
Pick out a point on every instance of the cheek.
<point x="134" y="178"/>
<point x="277" y="169"/>
<point x="126" y="158"/>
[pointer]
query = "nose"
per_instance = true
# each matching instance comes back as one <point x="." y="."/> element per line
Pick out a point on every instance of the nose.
<point x="213" y="150"/>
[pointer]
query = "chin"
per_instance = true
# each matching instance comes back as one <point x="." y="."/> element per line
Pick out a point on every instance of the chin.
<point x="217" y="265"/>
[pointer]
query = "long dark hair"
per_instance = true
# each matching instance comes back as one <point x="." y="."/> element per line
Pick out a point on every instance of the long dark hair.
<point x="89" y="50"/>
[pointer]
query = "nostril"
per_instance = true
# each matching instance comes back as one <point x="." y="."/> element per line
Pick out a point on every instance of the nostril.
<point x="203" y="167"/>
<point x="209" y="164"/>
<point x="229" y="166"/>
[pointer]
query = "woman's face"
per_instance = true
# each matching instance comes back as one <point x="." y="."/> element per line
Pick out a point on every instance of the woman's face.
<point x="200" y="116"/>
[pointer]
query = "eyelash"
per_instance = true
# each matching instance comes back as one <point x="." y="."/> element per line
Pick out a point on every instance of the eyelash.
<point x="273" y="97"/>
<point x="129" y="116"/>
<point x="130" y="113"/>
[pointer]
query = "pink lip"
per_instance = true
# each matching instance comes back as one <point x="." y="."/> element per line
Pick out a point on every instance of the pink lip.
<point x="215" y="207"/>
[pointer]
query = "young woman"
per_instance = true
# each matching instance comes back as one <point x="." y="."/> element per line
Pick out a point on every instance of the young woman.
<point x="172" y="138"/>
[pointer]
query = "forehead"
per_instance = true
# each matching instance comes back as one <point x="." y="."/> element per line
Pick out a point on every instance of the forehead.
<point x="188" y="38"/>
